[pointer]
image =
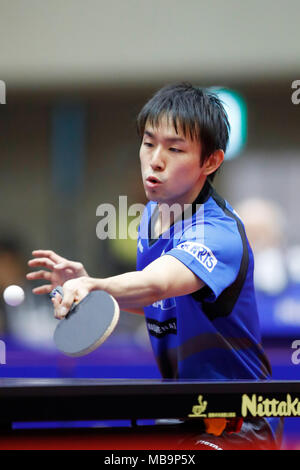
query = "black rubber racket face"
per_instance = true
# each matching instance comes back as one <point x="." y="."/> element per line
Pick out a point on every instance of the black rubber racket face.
<point x="87" y="325"/>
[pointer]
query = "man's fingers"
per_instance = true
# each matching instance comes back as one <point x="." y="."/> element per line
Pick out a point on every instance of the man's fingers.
<point x="72" y="266"/>
<point x="48" y="254"/>
<point x="70" y="297"/>
<point x="63" y="309"/>
<point x="46" y="289"/>
<point x="64" y="265"/>
<point x="56" y="301"/>
<point x="39" y="275"/>
<point x="45" y="262"/>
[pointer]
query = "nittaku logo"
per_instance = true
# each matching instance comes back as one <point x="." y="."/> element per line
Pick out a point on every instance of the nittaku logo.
<point x="2" y="92"/>
<point x="198" y="410"/>
<point x="260" y="406"/>
<point x="201" y="253"/>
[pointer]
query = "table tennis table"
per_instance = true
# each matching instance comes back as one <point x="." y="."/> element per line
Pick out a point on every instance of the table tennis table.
<point x="114" y="399"/>
<point x="34" y="412"/>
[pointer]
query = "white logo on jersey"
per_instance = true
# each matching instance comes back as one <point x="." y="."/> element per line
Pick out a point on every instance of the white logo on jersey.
<point x="165" y="304"/>
<point x="201" y="253"/>
<point x="140" y="246"/>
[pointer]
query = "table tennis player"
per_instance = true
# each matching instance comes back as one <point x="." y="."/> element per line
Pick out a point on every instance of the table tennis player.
<point x="194" y="280"/>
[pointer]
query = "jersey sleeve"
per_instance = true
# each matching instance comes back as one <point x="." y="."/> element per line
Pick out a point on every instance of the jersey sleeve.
<point x="215" y="256"/>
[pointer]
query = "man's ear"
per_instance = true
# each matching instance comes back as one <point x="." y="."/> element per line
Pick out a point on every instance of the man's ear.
<point x="213" y="162"/>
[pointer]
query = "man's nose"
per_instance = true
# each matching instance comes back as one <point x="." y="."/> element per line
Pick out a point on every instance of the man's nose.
<point x="157" y="159"/>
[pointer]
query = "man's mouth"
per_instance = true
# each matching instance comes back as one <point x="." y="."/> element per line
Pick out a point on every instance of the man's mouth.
<point x="153" y="179"/>
<point x="153" y="182"/>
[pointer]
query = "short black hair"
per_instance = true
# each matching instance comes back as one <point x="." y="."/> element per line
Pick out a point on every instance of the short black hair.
<point x="197" y="111"/>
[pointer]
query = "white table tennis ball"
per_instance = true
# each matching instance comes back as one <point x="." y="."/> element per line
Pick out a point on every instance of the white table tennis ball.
<point x="13" y="295"/>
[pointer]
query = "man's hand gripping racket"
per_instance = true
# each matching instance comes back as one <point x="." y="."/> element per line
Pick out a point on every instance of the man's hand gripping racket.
<point x="88" y="323"/>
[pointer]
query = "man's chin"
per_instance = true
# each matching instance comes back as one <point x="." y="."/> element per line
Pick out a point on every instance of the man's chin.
<point x="151" y="196"/>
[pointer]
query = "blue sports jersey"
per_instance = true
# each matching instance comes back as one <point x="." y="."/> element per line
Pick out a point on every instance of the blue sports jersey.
<point x="212" y="334"/>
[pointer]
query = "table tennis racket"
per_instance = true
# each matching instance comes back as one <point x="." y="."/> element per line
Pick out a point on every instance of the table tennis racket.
<point x="88" y="323"/>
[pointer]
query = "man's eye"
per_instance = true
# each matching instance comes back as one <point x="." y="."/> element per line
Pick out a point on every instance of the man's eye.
<point x="173" y="149"/>
<point x="148" y="144"/>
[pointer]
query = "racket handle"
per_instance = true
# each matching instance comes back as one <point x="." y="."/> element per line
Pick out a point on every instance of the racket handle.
<point x="59" y="290"/>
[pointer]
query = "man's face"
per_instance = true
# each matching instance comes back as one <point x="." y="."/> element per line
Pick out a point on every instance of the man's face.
<point x="170" y="164"/>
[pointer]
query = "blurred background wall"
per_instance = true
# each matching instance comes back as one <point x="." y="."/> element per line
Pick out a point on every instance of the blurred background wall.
<point x="101" y="61"/>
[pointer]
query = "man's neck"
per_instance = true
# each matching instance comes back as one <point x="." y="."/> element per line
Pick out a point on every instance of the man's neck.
<point x="171" y="211"/>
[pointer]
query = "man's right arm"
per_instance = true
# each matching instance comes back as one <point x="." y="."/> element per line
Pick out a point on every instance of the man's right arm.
<point x="59" y="270"/>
